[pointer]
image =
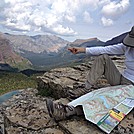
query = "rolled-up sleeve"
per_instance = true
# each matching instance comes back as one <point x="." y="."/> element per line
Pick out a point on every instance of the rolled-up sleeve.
<point x="118" y="49"/>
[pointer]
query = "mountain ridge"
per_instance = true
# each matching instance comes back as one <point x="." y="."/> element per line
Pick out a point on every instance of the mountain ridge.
<point x="8" y="56"/>
<point x="54" y="55"/>
<point x="48" y="51"/>
<point x="37" y="43"/>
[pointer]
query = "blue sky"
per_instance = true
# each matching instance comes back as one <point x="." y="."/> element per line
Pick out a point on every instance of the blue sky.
<point x="69" y="19"/>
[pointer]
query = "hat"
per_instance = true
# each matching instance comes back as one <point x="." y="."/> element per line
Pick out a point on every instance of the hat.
<point x="129" y="39"/>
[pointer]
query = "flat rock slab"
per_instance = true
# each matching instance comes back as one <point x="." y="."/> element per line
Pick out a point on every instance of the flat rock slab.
<point x="20" y="130"/>
<point x="79" y="126"/>
<point x="128" y="122"/>
<point x="29" y="111"/>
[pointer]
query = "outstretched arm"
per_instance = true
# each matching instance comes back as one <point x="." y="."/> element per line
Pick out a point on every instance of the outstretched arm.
<point x="118" y="49"/>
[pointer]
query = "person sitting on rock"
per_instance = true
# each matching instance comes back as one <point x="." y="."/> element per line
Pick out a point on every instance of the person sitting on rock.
<point x="102" y="65"/>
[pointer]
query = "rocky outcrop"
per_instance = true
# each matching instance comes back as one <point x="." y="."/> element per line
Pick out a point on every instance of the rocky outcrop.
<point x="59" y="80"/>
<point x="26" y="113"/>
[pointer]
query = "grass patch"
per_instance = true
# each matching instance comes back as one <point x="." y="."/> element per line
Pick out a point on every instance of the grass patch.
<point x="13" y="81"/>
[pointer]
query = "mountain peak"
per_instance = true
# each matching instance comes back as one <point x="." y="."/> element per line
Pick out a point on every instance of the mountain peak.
<point x="78" y="42"/>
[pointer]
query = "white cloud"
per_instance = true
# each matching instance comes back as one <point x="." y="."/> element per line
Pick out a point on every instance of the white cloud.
<point x="115" y="9"/>
<point x="33" y="15"/>
<point x="87" y="17"/>
<point x="57" y="16"/>
<point x="106" y="22"/>
<point x="103" y="2"/>
<point x="61" y="30"/>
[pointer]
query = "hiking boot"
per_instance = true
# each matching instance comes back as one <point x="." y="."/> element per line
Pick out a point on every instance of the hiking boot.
<point x="59" y="111"/>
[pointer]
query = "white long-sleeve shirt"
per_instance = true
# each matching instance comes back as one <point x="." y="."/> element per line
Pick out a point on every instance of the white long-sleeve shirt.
<point x="118" y="49"/>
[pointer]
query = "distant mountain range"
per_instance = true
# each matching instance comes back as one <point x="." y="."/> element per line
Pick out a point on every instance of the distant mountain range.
<point x="43" y="51"/>
<point x="36" y="44"/>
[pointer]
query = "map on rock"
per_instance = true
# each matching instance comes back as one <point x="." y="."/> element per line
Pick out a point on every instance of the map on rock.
<point x="97" y="104"/>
